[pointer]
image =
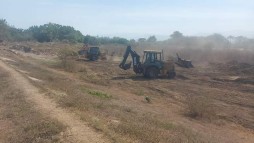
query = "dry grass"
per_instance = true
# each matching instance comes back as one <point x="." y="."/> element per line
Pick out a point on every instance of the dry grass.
<point x="200" y="108"/>
<point x="121" y="123"/>
<point x="106" y="113"/>
<point x="66" y="57"/>
<point x="102" y="111"/>
<point x="26" y="124"/>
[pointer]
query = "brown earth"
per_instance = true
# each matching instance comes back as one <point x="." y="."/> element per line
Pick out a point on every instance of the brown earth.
<point x="77" y="130"/>
<point x="228" y="87"/>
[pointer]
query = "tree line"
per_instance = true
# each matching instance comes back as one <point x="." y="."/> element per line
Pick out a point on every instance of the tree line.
<point x="43" y="33"/>
<point x="52" y="32"/>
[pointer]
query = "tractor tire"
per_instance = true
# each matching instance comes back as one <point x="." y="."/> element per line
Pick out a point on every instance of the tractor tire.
<point x="171" y="74"/>
<point x="152" y="72"/>
<point x="94" y="58"/>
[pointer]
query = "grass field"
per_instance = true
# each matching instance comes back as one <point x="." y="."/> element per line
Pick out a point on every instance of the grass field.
<point x="212" y="102"/>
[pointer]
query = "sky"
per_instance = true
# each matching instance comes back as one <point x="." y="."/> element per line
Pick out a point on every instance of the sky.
<point x="136" y="18"/>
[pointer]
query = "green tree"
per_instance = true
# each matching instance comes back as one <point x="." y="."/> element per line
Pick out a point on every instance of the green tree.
<point x="55" y="32"/>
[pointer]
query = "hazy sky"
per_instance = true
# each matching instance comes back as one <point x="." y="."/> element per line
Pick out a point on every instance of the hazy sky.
<point x="136" y="18"/>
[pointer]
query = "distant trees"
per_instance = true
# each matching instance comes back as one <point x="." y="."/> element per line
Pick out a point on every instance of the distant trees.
<point x="55" y="32"/>
<point x="141" y="40"/>
<point x="217" y="37"/>
<point x="44" y="33"/>
<point x="152" y="39"/>
<point x="4" y="33"/>
<point x="119" y="40"/>
<point x="176" y="35"/>
<point x="11" y="33"/>
<point x="91" y="40"/>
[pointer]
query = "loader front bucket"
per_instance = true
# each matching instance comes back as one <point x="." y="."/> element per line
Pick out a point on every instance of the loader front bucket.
<point x="183" y="63"/>
<point x="188" y="64"/>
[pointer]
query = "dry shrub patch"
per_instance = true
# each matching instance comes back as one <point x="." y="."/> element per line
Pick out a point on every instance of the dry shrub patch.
<point x="66" y="57"/>
<point x="200" y="108"/>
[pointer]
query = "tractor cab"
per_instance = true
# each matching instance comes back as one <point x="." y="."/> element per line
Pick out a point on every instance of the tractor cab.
<point x="152" y="56"/>
<point x="93" y="50"/>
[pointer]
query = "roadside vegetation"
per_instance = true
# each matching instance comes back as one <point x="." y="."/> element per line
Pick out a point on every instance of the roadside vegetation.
<point x="19" y="120"/>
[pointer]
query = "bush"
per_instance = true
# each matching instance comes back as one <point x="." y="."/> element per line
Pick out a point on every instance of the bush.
<point x="66" y="60"/>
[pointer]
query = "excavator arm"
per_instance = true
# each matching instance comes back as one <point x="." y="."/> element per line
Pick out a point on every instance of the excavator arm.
<point x="137" y="66"/>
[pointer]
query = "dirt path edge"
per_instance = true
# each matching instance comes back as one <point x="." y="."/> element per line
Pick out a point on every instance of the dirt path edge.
<point x="78" y="130"/>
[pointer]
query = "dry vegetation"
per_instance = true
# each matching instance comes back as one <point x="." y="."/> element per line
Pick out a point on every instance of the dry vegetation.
<point x="205" y="104"/>
<point x="200" y="108"/>
<point x="19" y="121"/>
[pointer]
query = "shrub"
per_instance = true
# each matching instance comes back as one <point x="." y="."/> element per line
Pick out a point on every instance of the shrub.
<point x="66" y="59"/>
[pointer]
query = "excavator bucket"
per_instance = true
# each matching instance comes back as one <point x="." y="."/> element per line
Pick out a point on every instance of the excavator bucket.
<point x="125" y="66"/>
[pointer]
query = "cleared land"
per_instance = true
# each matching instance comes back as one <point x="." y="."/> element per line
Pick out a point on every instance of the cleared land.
<point x="213" y="102"/>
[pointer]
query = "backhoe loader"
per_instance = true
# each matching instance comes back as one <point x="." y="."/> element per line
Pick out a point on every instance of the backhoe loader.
<point x="152" y="65"/>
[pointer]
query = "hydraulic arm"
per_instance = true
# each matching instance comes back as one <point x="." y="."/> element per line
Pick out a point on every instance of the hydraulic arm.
<point x="137" y="66"/>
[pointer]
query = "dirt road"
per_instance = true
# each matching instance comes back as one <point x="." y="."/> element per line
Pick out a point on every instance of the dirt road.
<point x="77" y="130"/>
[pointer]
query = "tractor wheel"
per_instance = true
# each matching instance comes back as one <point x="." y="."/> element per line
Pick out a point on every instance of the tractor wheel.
<point x="171" y="74"/>
<point x="152" y="72"/>
<point x="94" y="58"/>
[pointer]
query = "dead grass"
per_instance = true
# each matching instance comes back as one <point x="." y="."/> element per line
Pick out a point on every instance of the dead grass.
<point x="99" y="109"/>
<point x="27" y="125"/>
<point x="147" y="128"/>
<point x="127" y="125"/>
<point x="123" y="123"/>
<point x="66" y="57"/>
<point x="200" y="108"/>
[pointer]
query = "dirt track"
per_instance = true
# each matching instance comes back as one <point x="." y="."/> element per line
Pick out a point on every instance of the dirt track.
<point x="77" y="130"/>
